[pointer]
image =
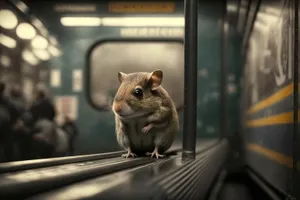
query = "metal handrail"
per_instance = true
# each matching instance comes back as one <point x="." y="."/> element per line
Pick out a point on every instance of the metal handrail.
<point x="190" y="79"/>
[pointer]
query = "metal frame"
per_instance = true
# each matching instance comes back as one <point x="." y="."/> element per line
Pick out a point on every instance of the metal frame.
<point x="190" y="79"/>
<point x="237" y="13"/>
<point x="246" y="16"/>
<point x="272" y="192"/>
<point x="295" y="194"/>
<point x="223" y="74"/>
<point x="247" y="34"/>
<point x="47" y="162"/>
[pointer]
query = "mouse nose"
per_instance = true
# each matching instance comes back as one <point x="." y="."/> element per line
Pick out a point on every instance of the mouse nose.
<point x="117" y="107"/>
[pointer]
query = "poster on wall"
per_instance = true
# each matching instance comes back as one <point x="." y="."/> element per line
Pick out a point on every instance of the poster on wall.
<point x="55" y="78"/>
<point x="66" y="106"/>
<point x="77" y="80"/>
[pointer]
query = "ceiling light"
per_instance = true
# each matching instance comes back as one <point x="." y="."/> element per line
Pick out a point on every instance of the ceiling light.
<point x="80" y="21"/>
<point x="37" y="23"/>
<point x="22" y="6"/>
<point x="143" y="21"/>
<point x="54" y="51"/>
<point x="42" y="54"/>
<point x="231" y="8"/>
<point x="40" y="26"/>
<point x="53" y="40"/>
<point x="261" y="26"/>
<point x="7" y="41"/>
<point x="5" y="60"/>
<point x="273" y="11"/>
<point x="8" y="19"/>
<point x="26" y="31"/>
<point x="29" y="57"/>
<point x="39" y="42"/>
<point x="44" y="31"/>
<point x="267" y="19"/>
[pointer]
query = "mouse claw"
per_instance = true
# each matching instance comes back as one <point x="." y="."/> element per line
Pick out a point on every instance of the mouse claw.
<point x="157" y="155"/>
<point x="147" y="128"/>
<point x="127" y="155"/>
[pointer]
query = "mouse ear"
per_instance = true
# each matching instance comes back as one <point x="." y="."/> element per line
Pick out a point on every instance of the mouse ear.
<point x="155" y="79"/>
<point x="121" y="76"/>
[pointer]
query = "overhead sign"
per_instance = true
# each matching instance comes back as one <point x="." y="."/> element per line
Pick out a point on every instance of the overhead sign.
<point x="141" y="7"/>
<point x="75" y="8"/>
<point x="152" y="32"/>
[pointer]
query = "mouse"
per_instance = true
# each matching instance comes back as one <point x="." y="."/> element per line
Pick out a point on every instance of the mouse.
<point x="146" y="119"/>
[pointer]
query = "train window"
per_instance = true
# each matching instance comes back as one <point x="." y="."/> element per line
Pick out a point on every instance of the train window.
<point x="108" y="58"/>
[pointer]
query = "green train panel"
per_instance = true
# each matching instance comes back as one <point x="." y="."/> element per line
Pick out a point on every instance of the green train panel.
<point x="269" y="92"/>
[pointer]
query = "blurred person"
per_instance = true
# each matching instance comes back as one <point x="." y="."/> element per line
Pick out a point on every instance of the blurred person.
<point x="24" y="139"/>
<point x="43" y="139"/>
<point x="17" y="98"/>
<point x="62" y="142"/>
<point x="4" y="120"/>
<point x="8" y="117"/>
<point x="42" y="108"/>
<point x="4" y="117"/>
<point x="40" y="120"/>
<point x="20" y="140"/>
<point x="70" y="127"/>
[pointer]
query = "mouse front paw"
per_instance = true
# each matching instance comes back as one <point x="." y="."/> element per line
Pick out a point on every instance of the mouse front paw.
<point x="147" y="128"/>
<point x="129" y="154"/>
<point x="156" y="154"/>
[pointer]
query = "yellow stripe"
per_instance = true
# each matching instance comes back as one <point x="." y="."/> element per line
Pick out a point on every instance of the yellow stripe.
<point x="274" y="98"/>
<point x="272" y="155"/>
<point x="284" y="118"/>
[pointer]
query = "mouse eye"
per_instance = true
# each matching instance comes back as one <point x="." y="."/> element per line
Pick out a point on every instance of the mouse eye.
<point x="138" y="92"/>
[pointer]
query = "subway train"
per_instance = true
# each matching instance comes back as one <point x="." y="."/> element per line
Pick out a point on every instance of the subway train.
<point x="231" y="68"/>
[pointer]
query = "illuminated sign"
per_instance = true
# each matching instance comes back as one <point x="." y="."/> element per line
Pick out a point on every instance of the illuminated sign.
<point x="141" y="7"/>
<point x="75" y="8"/>
<point x="152" y="32"/>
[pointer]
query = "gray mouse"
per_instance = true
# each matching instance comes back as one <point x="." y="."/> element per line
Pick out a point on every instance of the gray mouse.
<point x="145" y="115"/>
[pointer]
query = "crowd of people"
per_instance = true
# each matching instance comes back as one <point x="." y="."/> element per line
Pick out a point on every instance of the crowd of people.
<point x="30" y="132"/>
